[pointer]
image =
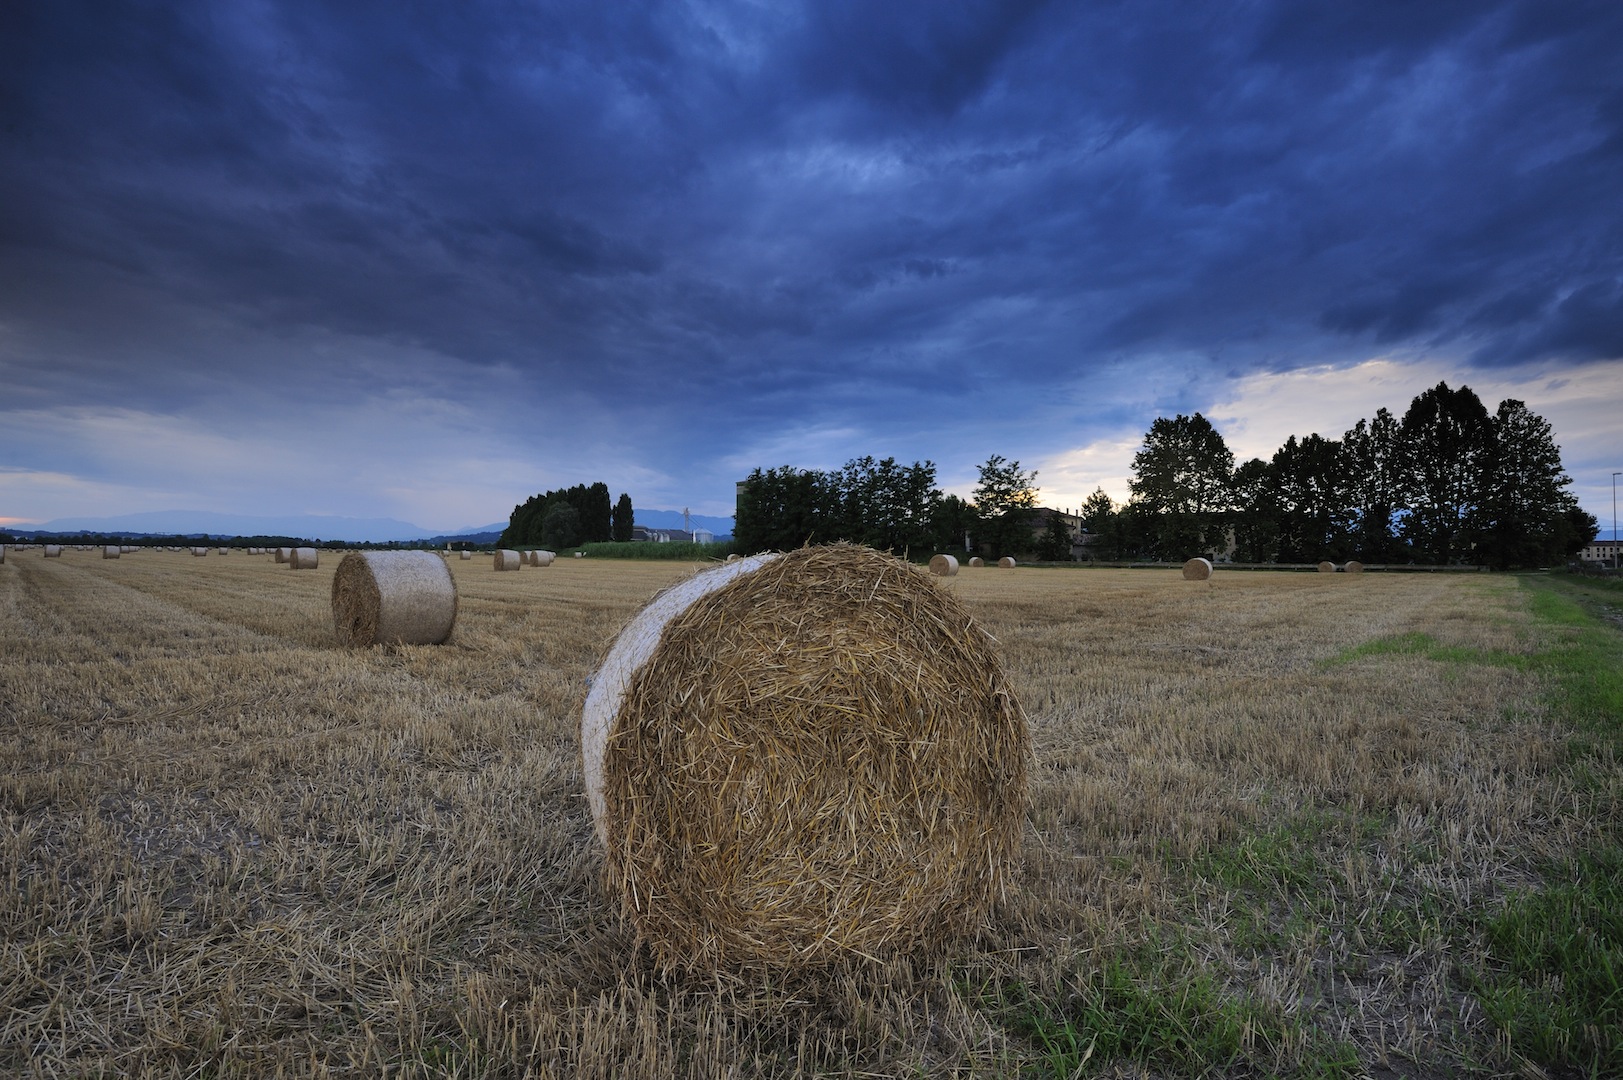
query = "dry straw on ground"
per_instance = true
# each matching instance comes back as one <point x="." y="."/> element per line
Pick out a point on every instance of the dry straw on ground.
<point x="393" y="597"/>
<point x="304" y="558"/>
<point x="1327" y="567"/>
<point x="1007" y="562"/>
<point x="943" y="565"/>
<point x="1354" y="567"/>
<point x="794" y="759"/>
<point x="507" y="560"/>
<point x="1197" y="569"/>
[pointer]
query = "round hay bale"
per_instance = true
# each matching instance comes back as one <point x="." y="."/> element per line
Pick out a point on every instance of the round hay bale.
<point x="110" y="552"/>
<point x="796" y="758"/>
<point x="225" y="551"/>
<point x="393" y="597"/>
<point x="977" y="561"/>
<point x="467" y="555"/>
<point x="943" y="565"/>
<point x="543" y="558"/>
<point x="200" y="552"/>
<point x="507" y="560"/>
<point x="304" y="559"/>
<point x="1197" y="569"/>
<point x="1327" y="567"/>
<point x="1007" y="562"/>
<point x="1354" y="567"/>
<point x="283" y="554"/>
<point x="580" y="554"/>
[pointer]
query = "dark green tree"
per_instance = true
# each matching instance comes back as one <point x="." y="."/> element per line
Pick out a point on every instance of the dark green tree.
<point x="1004" y="499"/>
<point x="1054" y="545"/>
<point x="623" y="519"/>
<point x="1447" y="445"/>
<point x="1373" y="460"/>
<point x="1101" y="526"/>
<point x="785" y="508"/>
<point x="1313" y="509"/>
<point x="1181" y="481"/>
<point x="1255" y="517"/>
<point x="1525" y="501"/>
<point x="953" y="523"/>
<point x="886" y="505"/>
<point x="561" y="527"/>
<point x="596" y="513"/>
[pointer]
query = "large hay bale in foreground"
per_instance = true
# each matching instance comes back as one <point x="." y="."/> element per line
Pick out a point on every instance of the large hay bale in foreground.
<point x="1007" y="562"/>
<point x="1327" y="567"/>
<point x="1353" y="567"/>
<point x="110" y="552"/>
<point x="304" y="559"/>
<point x="943" y="565"/>
<point x="1197" y="569"/>
<point x="797" y="758"/>
<point x="507" y="560"/>
<point x="393" y="597"/>
<point x="53" y="551"/>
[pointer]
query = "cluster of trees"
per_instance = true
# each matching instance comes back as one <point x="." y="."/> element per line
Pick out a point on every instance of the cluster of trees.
<point x="568" y="517"/>
<point x="1448" y="483"/>
<point x="885" y="505"/>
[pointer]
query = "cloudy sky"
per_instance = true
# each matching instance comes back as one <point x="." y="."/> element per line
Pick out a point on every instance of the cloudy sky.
<point x="422" y="261"/>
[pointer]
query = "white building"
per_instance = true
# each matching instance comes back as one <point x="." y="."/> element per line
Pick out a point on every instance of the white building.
<point x="1601" y="551"/>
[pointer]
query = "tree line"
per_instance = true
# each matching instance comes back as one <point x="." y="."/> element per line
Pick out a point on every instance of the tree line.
<point x="568" y="517"/>
<point x="1447" y="483"/>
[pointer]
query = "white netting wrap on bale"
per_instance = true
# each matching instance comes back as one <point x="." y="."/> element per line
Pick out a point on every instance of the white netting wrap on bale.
<point x="304" y="558"/>
<point x="797" y="758"/>
<point x="393" y="598"/>
<point x="1197" y="569"/>
<point x="507" y="560"/>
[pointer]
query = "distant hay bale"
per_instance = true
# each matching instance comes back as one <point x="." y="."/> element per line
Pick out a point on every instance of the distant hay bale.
<point x="1327" y="567"/>
<point x="200" y="552"/>
<point x="110" y="552"/>
<point x="1354" y="567"/>
<point x="797" y="758"/>
<point x="394" y="598"/>
<point x="508" y="560"/>
<point x="304" y="558"/>
<point x="467" y="555"/>
<point x="580" y="554"/>
<point x="225" y="551"/>
<point x="1197" y="569"/>
<point x="1007" y="562"/>
<point x="977" y="561"/>
<point x="542" y="558"/>
<point x="283" y="554"/>
<point x="943" y="565"/>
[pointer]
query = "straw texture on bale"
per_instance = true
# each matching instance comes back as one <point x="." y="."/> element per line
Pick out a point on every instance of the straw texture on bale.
<point x="508" y="560"/>
<point x="1006" y="562"/>
<point x="53" y="551"/>
<point x="943" y="565"/>
<point x="1354" y="567"/>
<point x="544" y="558"/>
<point x="283" y="554"/>
<point x="304" y="559"/>
<point x="467" y="555"/>
<point x="1197" y="569"/>
<point x="794" y="759"/>
<point x="1327" y="567"/>
<point x="393" y="597"/>
<point x="977" y="561"/>
<point x="110" y="552"/>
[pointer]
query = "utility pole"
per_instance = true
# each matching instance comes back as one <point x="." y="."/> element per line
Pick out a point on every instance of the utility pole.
<point x="1614" y="518"/>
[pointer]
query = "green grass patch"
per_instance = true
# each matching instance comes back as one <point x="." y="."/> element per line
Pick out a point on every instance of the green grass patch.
<point x="1429" y="648"/>
<point x="1158" y="1007"/>
<point x="642" y="549"/>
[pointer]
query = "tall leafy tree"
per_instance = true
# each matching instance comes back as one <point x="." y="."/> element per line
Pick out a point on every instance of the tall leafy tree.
<point x="1255" y="519"/>
<point x="624" y="519"/>
<point x="953" y="523"/>
<point x="1313" y="510"/>
<point x="1448" y="443"/>
<point x="1377" y="477"/>
<point x="1004" y="499"/>
<point x="1526" y="503"/>
<point x="596" y="513"/>
<point x="887" y="505"/>
<point x="1181" y="481"/>
<point x="561" y="527"/>
<point x="784" y="508"/>
<point x="1100" y="520"/>
<point x="1054" y="545"/>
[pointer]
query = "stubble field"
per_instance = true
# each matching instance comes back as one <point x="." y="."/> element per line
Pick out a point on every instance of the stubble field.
<point x="1274" y="817"/>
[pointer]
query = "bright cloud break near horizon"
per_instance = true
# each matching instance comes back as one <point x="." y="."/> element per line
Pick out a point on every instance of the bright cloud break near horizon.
<point x="423" y="261"/>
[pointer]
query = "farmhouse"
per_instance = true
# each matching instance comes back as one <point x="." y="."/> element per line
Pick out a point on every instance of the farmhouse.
<point x="1601" y="552"/>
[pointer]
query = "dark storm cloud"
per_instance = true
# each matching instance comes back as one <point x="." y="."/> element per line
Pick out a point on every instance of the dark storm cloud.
<point x="701" y="206"/>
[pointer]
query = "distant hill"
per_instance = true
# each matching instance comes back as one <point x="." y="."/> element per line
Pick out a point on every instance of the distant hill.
<point x="672" y="519"/>
<point x="201" y="522"/>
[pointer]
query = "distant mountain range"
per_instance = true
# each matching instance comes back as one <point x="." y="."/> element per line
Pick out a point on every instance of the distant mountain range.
<point x="320" y="526"/>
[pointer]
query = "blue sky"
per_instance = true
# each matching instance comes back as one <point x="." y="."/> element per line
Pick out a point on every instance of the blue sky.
<point x="422" y="261"/>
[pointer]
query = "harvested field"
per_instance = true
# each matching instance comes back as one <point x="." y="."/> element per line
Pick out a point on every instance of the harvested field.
<point x="1271" y="818"/>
